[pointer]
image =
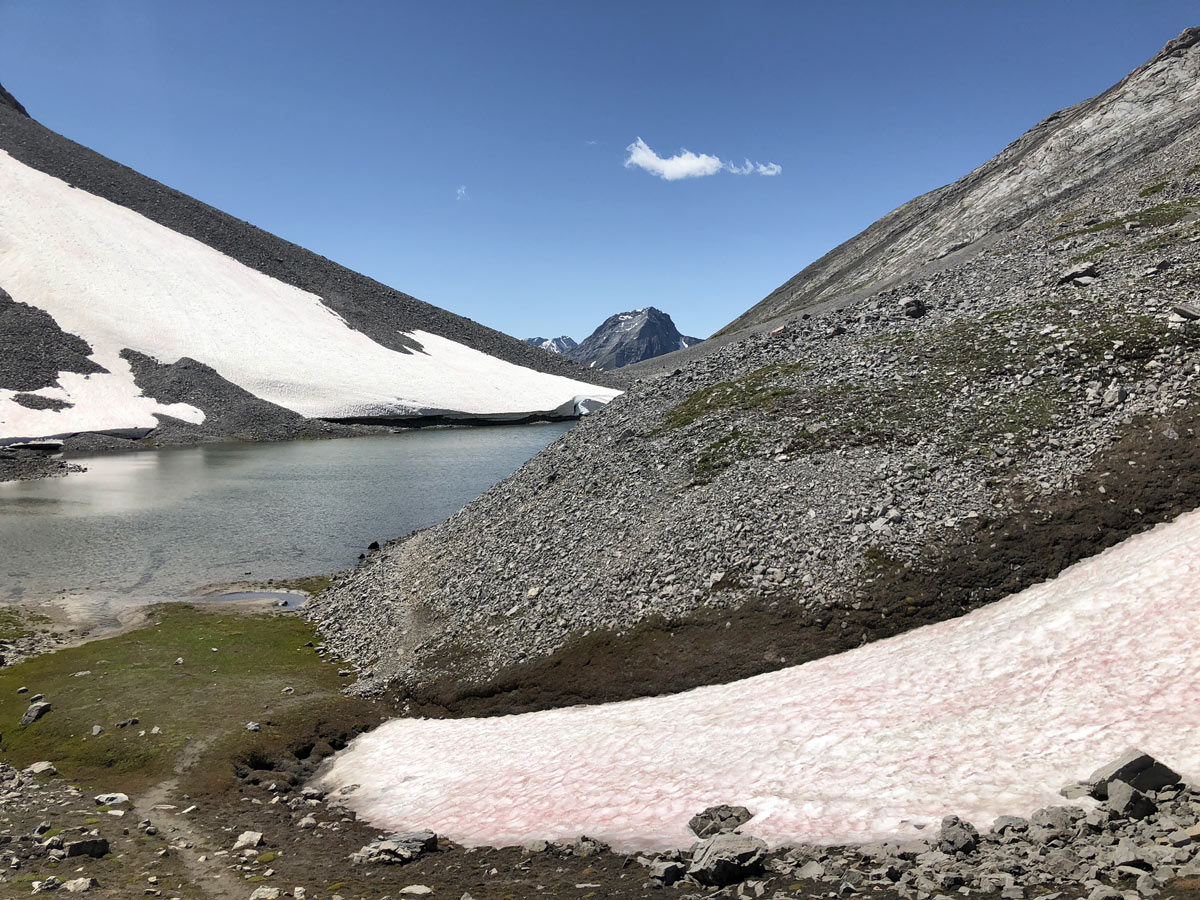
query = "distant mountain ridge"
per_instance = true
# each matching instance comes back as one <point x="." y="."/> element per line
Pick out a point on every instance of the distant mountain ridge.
<point x="622" y="339"/>
<point x="561" y="345"/>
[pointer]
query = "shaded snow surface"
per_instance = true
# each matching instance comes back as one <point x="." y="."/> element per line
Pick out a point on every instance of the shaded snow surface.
<point x="119" y="280"/>
<point x="980" y="716"/>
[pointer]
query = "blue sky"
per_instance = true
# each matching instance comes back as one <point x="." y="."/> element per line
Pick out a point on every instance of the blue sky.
<point x="350" y="128"/>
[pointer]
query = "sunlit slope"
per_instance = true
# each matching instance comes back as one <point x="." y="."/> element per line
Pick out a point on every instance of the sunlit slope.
<point x="121" y="281"/>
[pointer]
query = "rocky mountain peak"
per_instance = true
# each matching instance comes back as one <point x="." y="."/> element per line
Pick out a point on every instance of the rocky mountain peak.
<point x="630" y="337"/>
<point x="7" y="99"/>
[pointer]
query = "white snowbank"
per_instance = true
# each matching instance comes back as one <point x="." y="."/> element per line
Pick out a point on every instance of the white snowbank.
<point x="118" y="280"/>
<point x="980" y="716"/>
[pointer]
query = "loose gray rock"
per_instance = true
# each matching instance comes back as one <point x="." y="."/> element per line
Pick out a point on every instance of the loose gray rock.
<point x="1128" y="802"/>
<point x="94" y="847"/>
<point x="396" y="849"/>
<point x="727" y="859"/>
<point x="1137" y="769"/>
<point x="719" y="820"/>
<point x="35" y="711"/>
<point x="957" y="836"/>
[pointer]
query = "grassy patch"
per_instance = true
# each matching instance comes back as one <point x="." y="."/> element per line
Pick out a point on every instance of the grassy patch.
<point x="310" y="584"/>
<point x="1163" y="214"/>
<point x="17" y="623"/>
<point x="1194" y="170"/>
<point x="1153" y="189"/>
<point x="721" y="454"/>
<point x="135" y="675"/>
<point x="760" y="388"/>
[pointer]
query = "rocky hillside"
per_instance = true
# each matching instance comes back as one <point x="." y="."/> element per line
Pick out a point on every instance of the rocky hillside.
<point x="849" y="471"/>
<point x="1069" y="155"/>
<point x="630" y="337"/>
<point x="126" y="307"/>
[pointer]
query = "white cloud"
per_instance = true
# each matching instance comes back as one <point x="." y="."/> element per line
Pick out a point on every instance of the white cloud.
<point x="461" y="193"/>
<point x="686" y="164"/>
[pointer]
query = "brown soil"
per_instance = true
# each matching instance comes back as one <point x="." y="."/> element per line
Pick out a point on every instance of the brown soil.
<point x="1146" y="478"/>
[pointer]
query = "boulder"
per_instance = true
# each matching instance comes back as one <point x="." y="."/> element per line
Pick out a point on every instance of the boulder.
<point x="1137" y="769"/>
<point x="1127" y="802"/>
<point x="35" y="712"/>
<point x="727" y="859"/>
<point x="80" y="885"/>
<point x="719" y="820"/>
<point x="1075" y="273"/>
<point x="913" y="307"/>
<point x="265" y="893"/>
<point x="95" y="847"/>
<point x="248" y="840"/>
<point x="957" y="836"/>
<point x="111" y="799"/>
<point x="396" y="849"/>
<point x="45" y="767"/>
<point x="586" y="846"/>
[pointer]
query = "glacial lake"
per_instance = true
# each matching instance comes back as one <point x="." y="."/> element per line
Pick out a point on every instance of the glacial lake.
<point x="144" y="526"/>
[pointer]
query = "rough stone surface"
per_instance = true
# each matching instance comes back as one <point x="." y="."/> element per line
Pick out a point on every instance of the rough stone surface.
<point x="726" y="858"/>
<point x="719" y="820"/>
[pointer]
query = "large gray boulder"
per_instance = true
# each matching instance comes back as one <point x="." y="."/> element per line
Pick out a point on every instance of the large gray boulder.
<point x="719" y="820"/>
<point x="35" y="712"/>
<point x="957" y="836"/>
<point x="727" y="859"/>
<point x="1137" y="769"/>
<point x="396" y="848"/>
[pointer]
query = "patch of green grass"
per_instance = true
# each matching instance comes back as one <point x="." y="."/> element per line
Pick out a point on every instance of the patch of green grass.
<point x="17" y="623"/>
<point x="310" y="584"/>
<point x="267" y="857"/>
<point x="1163" y="214"/>
<point x="721" y="454"/>
<point x="135" y="674"/>
<point x="760" y="388"/>
<point x="1153" y="189"/>
<point x="1194" y="170"/>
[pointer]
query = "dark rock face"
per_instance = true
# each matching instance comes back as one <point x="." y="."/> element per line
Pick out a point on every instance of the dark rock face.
<point x="33" y="349"/>
<point x="559" y="345"/>
<point x="231" y="412"/>
<point x="630" y="337"/>
<point x="7" y="99"/>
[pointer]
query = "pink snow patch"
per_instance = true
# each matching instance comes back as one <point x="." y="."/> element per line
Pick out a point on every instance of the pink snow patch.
<point x="981" y="716"/>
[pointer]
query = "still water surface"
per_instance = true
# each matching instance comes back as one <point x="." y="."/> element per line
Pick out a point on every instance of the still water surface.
<point x="156" y="525"/>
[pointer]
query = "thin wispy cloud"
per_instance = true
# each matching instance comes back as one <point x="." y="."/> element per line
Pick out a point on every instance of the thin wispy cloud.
<point x="461" y="193"/>
<point x="686" y="164"/>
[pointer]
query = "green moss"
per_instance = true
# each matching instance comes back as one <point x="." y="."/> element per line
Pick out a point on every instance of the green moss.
<point x="18" y="623"/>
<point x="760" y="388"/>
<point x="1153" y="189"/>
<point x="135" y="674"/>
<point x="311" y="584"/>
<point x="1194" y="170"/>
<point x="1163" y="214"/>
<point x="267" y="857"/>
<point x="721" y="454"/>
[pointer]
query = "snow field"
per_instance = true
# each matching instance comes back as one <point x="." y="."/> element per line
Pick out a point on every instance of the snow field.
<point x="980" y="716"/>
<point x="120" y="280"/>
